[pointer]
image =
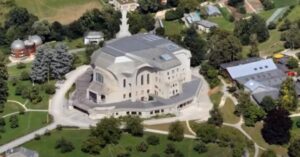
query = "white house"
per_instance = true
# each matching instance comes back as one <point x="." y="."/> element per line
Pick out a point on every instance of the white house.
<point x="93" y="37"/>
<point x="141" y="75"/>
<point x="205" y="25"/>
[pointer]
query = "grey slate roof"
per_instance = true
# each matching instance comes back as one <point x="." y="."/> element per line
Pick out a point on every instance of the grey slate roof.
<point x="240" y="62"/>
<point x="142" y="48"/>
<point x="212" y="10"/>
<point x="207" y="24"/>
<point x="258" y="97"/>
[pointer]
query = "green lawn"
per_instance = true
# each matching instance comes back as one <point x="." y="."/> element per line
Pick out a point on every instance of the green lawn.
<point x="272" y="45"/>
<point x="165" y="127"/>
<point x="13" y="71"/>
<point x="222" y="22"/>
<point x="11" y="108"/>
<point x="255" y="133"/>
<point x="216" y="98"/>
<point x="227" y="112"/>
<point x="294" y="14"/>
<point x="173" y="27"/>
<point x="74" y="44"/>
<point x="295" y="131"/>
<point x="267" y="13"/>
<point x="282" y="3"/>
<point x="28" y="122"/>
<point x="46" y="146"/>
<point x="64" y="11"/>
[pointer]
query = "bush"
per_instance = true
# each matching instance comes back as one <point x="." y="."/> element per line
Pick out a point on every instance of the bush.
<point x="19" y="89"/>
<point x="2" y="122"/>
<point x="173" y="15"/>
<point x="153" y="140"/>
<point x="170" y="149"/>
<point x="142" y="147"/>
<point x="14" y="121"/>
<point x="49" y="88"/>
<point x="21" y="65"/>
<point x="298" y="123"/>
<point x="37" y="137"/>
<point x="272" y="25"/>
<point x="24" y="76"/>
<point x="292" y="63"/>
<point x="207" y="133"/>
<point x="160" y="31"/>
<point x="59" y="127"/>
<point x="64" y="145"/>
<point x="47" y="132"/>
<point x="268" y="4"/>
<point x="200" y="147"/>
<point x="14" y="81"/>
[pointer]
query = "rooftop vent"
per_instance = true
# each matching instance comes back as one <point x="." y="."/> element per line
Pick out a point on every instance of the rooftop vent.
<point x="172" y="47"/>
<point x="165" y="57"/>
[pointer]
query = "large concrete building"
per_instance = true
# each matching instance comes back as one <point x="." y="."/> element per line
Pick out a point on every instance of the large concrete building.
<point x="141" y="75"/>
<point x="129" y="5"/>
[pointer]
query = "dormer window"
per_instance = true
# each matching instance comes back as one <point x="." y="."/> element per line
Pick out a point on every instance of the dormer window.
<point x="99" y="78"/>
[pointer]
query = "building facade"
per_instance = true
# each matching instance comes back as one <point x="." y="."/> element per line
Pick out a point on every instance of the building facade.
<point x="93" y="37"/>
<point x="140" y="74"/>
<point x="129" y="5"/>
<point x="22" y="49"/>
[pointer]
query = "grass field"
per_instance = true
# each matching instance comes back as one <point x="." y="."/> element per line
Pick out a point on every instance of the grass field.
<point x="294" y="14"/>
<point x="255" y="133"/>
<point x="27" y="123"/>
<point x="272" y="45"/>
<point x="13" y="71"/>
<point x="282" y="3"/>
<point x="165" y="127"/>
<point x="227" y="112"/>
<point x="64" y="11"/>
<point x="222" y="22"/>
<point x="173" y="27"/>
<point x="11" y="108"/>
<point x="46" y="146"/>
<point x="216" y="98"/>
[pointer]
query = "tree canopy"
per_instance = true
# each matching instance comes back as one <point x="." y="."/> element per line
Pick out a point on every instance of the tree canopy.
<point x="176" y="131"/>
<point x="3" y="86"/>
<point x="288" y="96"/>
<point x="224" y="47"/>
<point x="245" y="28"/>
<point x="294" y="148"/>
<point x="277" y="125"/>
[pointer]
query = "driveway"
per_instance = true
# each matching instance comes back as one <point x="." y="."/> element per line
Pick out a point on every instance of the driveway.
<point x="124" y="27"/>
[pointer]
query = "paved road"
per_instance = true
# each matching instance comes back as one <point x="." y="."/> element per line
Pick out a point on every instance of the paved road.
<point x="124" y="27"/>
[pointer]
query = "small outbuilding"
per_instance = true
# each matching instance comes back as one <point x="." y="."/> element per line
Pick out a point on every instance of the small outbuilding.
<point x="93" y="37"/>
<point x="213" y="10"/>
<point x="22" y="49"/>
<point x="205" y="25"/>
<point x="192" y="17"/>
<point x="21" y="152"/>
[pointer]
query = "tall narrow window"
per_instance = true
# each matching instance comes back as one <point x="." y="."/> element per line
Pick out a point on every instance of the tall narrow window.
<point x="148" y="78"/>
<point x="142" y="79"/>
<point x="99" y="78"/>
<point x="124" y="83"/>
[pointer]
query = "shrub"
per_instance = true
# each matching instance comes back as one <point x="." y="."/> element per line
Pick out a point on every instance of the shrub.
<point x="272" y="25"/>
<point x="200" y="147"/>
<point x="292" y="63"/>
<point x="170" y="149"/>
<point x="14" y="81"/>
<point x="19" y="89"/>
<point x="49" y="88"/>
<point x="21" y="65"/>
<point x="37" y="137"/>
<point x="59" y="127"/>
<point x="298" y="123"/>
<point x="142" y="147"/>
<point x="160" y="31"/>
<point x="24" y="76"/>
<point x="153" y="140"/>
<point x="173" y="15"/>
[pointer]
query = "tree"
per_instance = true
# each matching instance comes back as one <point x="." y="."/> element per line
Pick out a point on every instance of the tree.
<point x="58" y="31"/>
<point x="151" y="140"/>
<point x="41" y="28"/>
<point x="285" y="25"/>
<point x="188" y="5"/>
<point x="49" y="88"/>
<point x="61" y="61"/>
<point x="173" y="3"/>
<point x="268" y="153"/>
<point x="294" y="148"/>
<point x="142" y="147"/>
<point x="287" y="95"/>
<point x="255" y="25"/>
<point x="40" y="71"/>
<point x="3" y="86"/>
<point x="107" y="131"/>
<point x="160" y="31"/>
<point x="176" y="131"/>
<point x="268" y="104"/>
<point x="178" y="153"/>
<point x="2" y="121"/>
<point x="64" y="146"/>
<point x="292" y="37"/>
<point x="171" y="15"/>
<point x="235" y="3"/>
<point x="292" y="63"/>
<point x="137" y="22"/>
<point x="149" y="5"/>
<point x="207" y="133"/>
<point x="133" y="125"/>
<point x="24" y="76"/>
<point x="196" y="45"/>
<point x="215" y="117"/>
<point x="200" y="147"/>
<point x="224" y="47"/>
<point x="170" y="148"/>
<point x="277" y="125"/>
<point x="14" y="121"/>
<point x="254" y="51"/>
<point x="268" y="4"/>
